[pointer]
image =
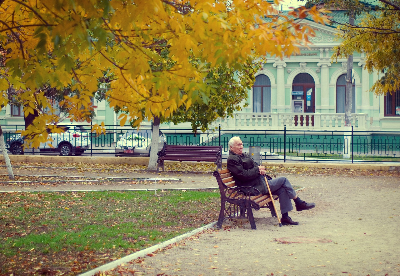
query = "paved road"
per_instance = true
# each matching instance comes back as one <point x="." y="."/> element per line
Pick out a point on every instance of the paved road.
<point x="352" y="231"/>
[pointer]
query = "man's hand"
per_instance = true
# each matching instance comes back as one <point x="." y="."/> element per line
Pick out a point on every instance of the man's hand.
<point x="262" y="170"/>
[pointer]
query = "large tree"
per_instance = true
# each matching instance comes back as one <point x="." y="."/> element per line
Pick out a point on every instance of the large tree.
<point x="71" y="43"/>
<point x="376" y="33"/>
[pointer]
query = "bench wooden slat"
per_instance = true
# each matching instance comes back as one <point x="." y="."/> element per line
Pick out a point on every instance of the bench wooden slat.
<point x="190" y="153"/>
<point x="228" y="179"/>
<point x="258" y="198"/>
<point x="264" y="202"/>
<point x="223" y="171"/>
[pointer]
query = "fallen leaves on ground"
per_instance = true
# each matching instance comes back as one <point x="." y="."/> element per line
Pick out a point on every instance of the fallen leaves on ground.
<point x="67" y="233"/>
<point x="197" y="167"/>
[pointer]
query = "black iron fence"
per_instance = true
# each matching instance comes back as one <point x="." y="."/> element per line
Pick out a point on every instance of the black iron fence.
<point x="285" y="145"/>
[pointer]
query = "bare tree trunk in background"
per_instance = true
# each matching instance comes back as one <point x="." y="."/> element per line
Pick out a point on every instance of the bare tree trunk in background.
<point x="154" y="145"/>
<point x="349" y="84"/>
<point x="5" y="154"/>
<point x="348" y="101"/>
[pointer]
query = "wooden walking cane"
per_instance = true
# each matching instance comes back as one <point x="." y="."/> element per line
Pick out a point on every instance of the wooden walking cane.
<point x="273" y="203"/>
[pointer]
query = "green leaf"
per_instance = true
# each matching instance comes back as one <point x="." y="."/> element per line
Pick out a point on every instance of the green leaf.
<point x="4" y="84"/>
<point x="67" y="62"/>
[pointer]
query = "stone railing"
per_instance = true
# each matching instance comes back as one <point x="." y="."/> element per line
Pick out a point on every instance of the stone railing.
<point x="311" y="121"/>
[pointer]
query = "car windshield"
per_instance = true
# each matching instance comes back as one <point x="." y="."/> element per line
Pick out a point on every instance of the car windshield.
<point x="129" y="135"/>
<point x="132" y="135"/>
<point x="80" y="128"/>
<point x="73" y="128"/>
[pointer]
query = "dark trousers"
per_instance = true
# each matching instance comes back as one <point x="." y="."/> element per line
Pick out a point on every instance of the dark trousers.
<point x="283" y="189"/>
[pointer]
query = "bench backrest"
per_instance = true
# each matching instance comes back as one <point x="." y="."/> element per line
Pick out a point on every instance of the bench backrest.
<point x="225" y="180"/>
<point x="174" y="148"/>
<point x="212" y="153"/>
<point x="225" y="177"/>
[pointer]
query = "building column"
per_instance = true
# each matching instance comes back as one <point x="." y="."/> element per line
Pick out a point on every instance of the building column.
<point x="378" y="105"/>
<point x="280" y="85"/>
<point x="365" y="104"/>
<point x="324" y="64"/>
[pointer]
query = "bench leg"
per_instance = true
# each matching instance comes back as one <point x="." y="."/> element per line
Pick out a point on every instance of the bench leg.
<point x="219" y="164"/>
<point x="160" y="163"/>
<point x="251" y="218"/>
<point x="242" y="211"/>
<point x="220" y="221"/>
<point x="221" y="216"/>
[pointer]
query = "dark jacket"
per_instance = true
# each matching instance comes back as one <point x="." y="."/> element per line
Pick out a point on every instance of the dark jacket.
<point x="245" y="171"/>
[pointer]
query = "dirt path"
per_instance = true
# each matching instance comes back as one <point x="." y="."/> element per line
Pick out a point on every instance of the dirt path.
<point x="353" y="231"/>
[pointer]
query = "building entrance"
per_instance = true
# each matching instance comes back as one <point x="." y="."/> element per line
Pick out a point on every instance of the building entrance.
<point x="303" y="98"/>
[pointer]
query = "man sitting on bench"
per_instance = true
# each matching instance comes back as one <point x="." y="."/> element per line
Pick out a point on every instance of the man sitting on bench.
<point x="246" y="172"/>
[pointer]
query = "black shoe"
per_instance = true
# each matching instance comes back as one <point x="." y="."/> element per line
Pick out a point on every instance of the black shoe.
<point x="304" y="206"/>
<point x="288" y="221"/>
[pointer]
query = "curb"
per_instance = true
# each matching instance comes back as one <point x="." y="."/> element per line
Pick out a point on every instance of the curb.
<point x="146" y="251"/>
<point x="99" y="190"/>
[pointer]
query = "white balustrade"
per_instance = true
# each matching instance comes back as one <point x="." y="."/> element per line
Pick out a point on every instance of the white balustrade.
<point x="311" y="121"/>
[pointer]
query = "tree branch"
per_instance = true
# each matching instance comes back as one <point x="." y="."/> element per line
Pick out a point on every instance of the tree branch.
<point x="181" y="8"/>
<point x="30" y="8"/>
<point x="23" y="26"/>
<point x="17" y="38"/>
<point x="390" y="4"/>
<point x="384" y="31"/>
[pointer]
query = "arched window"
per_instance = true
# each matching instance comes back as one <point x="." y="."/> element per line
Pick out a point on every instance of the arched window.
<point x="392" y="104"/>
<point x="262" y="94"/>
<point x="17" y="110"/>
<point x="303" y="91"/>
<point x="341" y="95"/>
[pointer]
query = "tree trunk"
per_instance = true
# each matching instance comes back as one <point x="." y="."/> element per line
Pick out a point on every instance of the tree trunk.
<point x="349" y="84"/>
<point x="348" y="101"/>
<point x="5" y="154"/>
<point x="154" y="145"/>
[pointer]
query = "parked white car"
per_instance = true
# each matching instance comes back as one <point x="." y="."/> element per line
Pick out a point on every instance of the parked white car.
<point x="75" y="140"/>
<point x="133" y="142"/>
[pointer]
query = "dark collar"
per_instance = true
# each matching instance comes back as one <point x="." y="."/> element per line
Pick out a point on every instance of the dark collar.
<point x="231" y="152"/>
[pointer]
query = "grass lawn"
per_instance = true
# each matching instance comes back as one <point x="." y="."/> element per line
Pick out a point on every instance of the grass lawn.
<point x="66" y="233"/>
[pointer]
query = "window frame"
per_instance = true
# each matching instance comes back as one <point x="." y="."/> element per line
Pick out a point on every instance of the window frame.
<point x="393" y="97"/>
<point x="18" y="108"/>
<point x="353" y="105"/>
<point x="262" y="87"/>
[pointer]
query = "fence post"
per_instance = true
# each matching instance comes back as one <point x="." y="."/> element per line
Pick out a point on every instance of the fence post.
<point x="91" y="141"/>
<point x="284" y="144"/>
<point x="219" y="135"/>
<point x="352" y="141"/>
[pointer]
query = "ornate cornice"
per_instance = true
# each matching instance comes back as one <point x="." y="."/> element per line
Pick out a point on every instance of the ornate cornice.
<point x="279" y="64"/>
<point x="324" y="63"/>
